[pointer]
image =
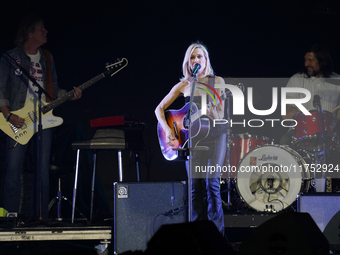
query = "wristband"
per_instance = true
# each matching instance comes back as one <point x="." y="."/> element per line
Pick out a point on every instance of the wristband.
<point x="8" y="116"/>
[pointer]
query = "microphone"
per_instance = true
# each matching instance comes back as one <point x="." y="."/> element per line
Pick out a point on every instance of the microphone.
<point x="316" y="101"/>
<point x="195" y="69"/>
<point x="270" y="182"/>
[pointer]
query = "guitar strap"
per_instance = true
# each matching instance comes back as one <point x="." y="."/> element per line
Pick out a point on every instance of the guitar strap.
<point x="211" y="82"/>
<point x="49" y="82"/>
<point x="216" y="131"/>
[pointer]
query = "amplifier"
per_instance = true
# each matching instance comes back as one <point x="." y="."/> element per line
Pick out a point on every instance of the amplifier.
<point x="321" y="206"/>
<point x="141" y="208"/>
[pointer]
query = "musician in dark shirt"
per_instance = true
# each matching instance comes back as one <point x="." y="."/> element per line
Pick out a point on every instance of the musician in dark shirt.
<point x="16" y="91"/>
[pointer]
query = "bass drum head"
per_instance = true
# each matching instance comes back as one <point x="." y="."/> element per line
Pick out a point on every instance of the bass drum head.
<point x="270" y="177"/>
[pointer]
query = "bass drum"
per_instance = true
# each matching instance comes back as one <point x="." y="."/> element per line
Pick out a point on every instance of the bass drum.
<point x="270" y="177"/>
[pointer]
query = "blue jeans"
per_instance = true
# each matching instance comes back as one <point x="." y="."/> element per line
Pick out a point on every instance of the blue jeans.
<point x="206" y="202"/>
<point x="14" y="165"/>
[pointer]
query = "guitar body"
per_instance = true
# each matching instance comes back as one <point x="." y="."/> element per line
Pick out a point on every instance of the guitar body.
<point x="30" y="113"/>
<point x="176" y="120"/>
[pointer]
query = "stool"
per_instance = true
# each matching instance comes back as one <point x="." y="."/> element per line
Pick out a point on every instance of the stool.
<point x="112" y="139"/>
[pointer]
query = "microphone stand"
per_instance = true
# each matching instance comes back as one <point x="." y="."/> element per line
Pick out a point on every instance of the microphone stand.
<point x="321" y="117"/>
<point x="229" y="142"/>
<point x="229" y="147"/>
<point x="41" y="91"/>
<point x="188" y="125"/>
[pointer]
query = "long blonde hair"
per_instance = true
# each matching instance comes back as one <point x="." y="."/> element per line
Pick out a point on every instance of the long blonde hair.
<point x="186" y="67"/>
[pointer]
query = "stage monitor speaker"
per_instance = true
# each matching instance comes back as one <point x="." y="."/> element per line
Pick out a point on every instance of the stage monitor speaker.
<point x="285" y="234"/>
<point x="141" y="208"/>
<point x="321" y="206"/>
<point x="332" y="232"/>
<point x="199" y="237"/>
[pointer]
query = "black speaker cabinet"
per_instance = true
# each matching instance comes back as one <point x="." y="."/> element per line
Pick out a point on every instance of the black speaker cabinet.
<point x="332" y="232"/>
<point x="286" y="234"/>
<point x="321" y="206"/>
<point x="140" y="209"/>
<point x="199" y="237"/>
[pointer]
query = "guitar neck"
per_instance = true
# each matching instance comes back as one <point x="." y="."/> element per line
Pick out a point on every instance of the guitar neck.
<point x="112" y="70"/>
<point x="69" y="94"/>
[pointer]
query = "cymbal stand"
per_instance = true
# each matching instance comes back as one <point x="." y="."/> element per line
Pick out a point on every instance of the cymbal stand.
<point x="318" y="159"/>
<point x="229" y="142"/>
<point x="321" y="120"/>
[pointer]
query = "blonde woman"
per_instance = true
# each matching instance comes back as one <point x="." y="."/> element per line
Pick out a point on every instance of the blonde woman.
<point x="206" y="198"/>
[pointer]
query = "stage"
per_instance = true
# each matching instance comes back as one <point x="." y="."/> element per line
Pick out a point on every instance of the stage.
<point x="145" y="222"/>
<point x="243" y="233"/>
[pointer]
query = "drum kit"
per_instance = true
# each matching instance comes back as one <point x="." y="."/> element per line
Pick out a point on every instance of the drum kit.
<point x="268" y="177"/>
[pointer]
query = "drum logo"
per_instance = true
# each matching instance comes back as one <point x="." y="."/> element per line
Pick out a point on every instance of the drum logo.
<point x="253" y="161"/>
<point x="268" y="157"/>
<point x="122" y="192"/>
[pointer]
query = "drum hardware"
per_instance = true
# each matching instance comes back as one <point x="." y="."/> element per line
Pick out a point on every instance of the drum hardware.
<point x="317" y="158"/>
<point x="270" y="208"/>
<point x="229" y="143"/>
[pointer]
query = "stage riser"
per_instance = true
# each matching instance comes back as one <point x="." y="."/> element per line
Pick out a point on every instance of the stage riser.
<point x="55" y="240"/>
<point x="50" y="248"/>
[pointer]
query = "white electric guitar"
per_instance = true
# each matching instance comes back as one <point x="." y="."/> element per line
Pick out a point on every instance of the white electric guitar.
<point x="31" y="114"/>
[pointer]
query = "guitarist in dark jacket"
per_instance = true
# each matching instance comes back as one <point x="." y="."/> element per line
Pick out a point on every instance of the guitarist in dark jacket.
<point x="206" y="199"/>
<point x="15" y="91"/>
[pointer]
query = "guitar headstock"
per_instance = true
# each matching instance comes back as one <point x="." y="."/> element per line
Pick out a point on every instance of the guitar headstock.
<point x="114" y="68"/>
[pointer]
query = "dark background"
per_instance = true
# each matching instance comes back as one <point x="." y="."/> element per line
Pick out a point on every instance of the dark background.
<point x="244" y="38"/>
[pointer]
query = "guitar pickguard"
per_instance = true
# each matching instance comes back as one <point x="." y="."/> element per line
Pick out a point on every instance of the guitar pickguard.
<point x="24" y="134"/>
